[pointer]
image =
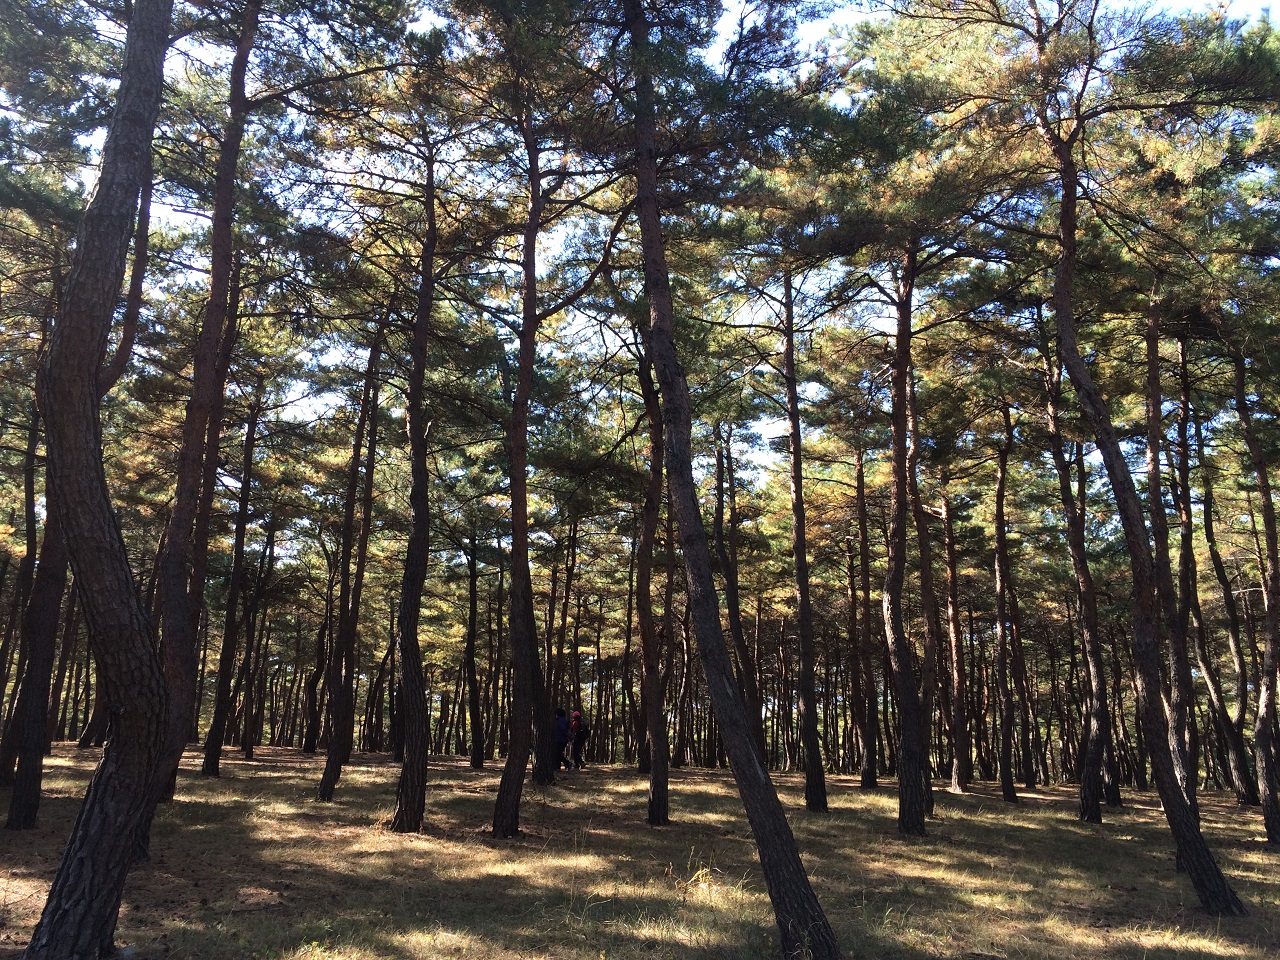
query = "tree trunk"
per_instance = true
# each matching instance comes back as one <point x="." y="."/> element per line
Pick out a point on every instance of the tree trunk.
<point x="815" y="783"/>
<point x="1264" y="724"/>
<point x="30" y="729"/>
<point x="1182" y="733"/>
<point x="79" y="915"/>
<point x="475" y="725"/>
<point x="412" y="723"/>
<point x="528" y="690"/>
<point x="180" y="577"/>
<point x="962" y="756"/>
<point x="1007" y="789"/>
<point x="235" y="582"/>
<point x="1232" y="724"/>
<point x="1097" y="725"/>
<point x="801" y="922"/>
<point x="1211" y="885"/>
<point x="911" y="760"/>
<point x="727" y="555"/>
<point x="342" y="658"/>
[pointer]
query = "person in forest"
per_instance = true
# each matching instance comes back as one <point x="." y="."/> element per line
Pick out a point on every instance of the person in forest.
<point x="579" y="731"/>
<point x="562" y="739"/>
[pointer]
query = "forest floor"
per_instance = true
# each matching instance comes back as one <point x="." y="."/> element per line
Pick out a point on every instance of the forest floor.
<point x="250" y="866"/>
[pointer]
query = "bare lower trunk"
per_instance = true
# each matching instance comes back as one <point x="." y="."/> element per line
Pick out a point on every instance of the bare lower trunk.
<point x="815" y="784"/>
<point x="801" y="923"/>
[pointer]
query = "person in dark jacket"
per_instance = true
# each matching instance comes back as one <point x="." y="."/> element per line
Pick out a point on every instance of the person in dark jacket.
<point x="578" y="732"/>
<point x="562" y="740"/>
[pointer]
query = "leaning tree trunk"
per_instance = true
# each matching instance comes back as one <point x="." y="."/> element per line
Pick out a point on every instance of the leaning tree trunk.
<point x="79" y="915"/>
<point x="179" y="589"/>
<point x="1193" y="852"/>
<point x="801" y="922"/>
<point x="342" y="657"/>
<point x="815" y="783"/>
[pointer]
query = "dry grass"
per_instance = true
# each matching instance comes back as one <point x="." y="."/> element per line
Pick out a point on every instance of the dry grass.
<point x="250" y="866"/>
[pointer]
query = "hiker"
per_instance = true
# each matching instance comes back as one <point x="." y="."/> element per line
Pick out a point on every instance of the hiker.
<point x="562" y="740"/>
<point x="579" y="731"/>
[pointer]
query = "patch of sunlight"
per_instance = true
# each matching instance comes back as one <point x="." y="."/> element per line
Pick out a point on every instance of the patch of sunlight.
<point x="1181" y="942"/>
<point x="439" y="942"/>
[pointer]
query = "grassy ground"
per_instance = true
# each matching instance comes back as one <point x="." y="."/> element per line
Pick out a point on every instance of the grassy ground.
<point x="251" y="866"/>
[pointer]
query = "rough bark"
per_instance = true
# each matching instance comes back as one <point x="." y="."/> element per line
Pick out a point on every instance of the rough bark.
<point x="803" y="926"/>
<point x="79" y="915"/>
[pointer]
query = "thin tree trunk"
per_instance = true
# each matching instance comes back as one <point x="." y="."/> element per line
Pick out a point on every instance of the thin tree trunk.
<point x="1264" y="739"/>
<point x="1007" y="789"/>
<point x="235" y="582"/>
<point x="342" y="658"/>
<point x="962" y="757"/>
<point x="815" y="783"/>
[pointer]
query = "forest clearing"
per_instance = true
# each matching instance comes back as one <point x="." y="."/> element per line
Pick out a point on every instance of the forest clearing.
<point x="249" y="865"/>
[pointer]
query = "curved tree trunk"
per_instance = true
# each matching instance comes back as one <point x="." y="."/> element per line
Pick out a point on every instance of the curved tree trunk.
<point x="79" y="914"/>
<point x="1211" y="885"/>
